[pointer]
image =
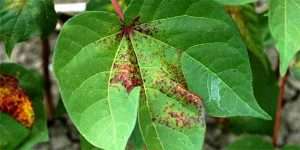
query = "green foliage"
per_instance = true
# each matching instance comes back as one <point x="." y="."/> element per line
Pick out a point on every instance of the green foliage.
<point x="23" y="19"/>
<point x="20" y="138"/>
<point x="284" y="25"/>
<point x="250" y="143"/>
<point x="291" y="147"/>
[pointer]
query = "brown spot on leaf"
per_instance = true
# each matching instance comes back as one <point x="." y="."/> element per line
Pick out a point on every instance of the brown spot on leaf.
<point x="14" y="101"/>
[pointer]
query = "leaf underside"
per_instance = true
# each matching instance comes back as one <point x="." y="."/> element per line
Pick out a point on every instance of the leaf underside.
<point x="111" y="74"/>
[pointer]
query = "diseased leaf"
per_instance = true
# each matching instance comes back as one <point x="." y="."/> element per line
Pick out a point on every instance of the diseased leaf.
<point x="103" y="99"/>
<point x="285" y="28"/>
<point x="190" y="25"/>
<point x="110" y="66"/>
<point x="249" y="142"/>
<point x="22" y="19"/>
<point x="235" y="2"/>
<point x="31" y="84"/>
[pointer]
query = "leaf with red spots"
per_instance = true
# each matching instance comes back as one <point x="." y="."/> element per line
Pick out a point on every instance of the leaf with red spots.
<point x="21" y="103"/>
<point x="115" y="72"/>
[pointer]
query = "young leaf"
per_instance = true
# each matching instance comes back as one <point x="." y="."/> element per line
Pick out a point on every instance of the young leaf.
<point x="22" y="19"/>
<point x="285" y="28"/>
<point x="235" y="2"/>
<point x="31" y="83"/>
<point x="249" y="143"/>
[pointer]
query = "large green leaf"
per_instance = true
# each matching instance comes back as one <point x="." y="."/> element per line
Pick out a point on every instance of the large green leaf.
<point x="109" y="59"/>
<point x="250" y="142"/>
<point x="235" y="2"/>
<point x="31" y="82"/>
<point x="22" y="19"/>
<point x="285" y="28"/>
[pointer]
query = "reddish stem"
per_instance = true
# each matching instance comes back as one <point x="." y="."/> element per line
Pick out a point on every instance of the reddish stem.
<point x="118" y="9"/>
<point x="47" y="82"/>
<point x="277" y="124"/>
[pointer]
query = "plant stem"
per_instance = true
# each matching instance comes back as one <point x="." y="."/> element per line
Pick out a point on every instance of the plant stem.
<point x="46" y="73"/>
<point x="118" y="9"/>
<point x="277" y="124"/>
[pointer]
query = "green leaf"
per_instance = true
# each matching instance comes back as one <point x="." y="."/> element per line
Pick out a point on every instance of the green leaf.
<point x="266" y="91"/>
<point x="23" y="19"/>
<point x="285" y="28"/>
<point x="235" y="2"/>
<point x="12" y="133"/>
<point x="291" y="147"/>
<point x="31" y="82"/>
<point x="227" y="86"/>
<point x="250" y="143"/>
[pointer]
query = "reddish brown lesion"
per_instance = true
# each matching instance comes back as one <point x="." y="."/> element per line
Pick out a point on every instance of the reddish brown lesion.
<point x="127" y="74"/>
<point x="181" y="119"/>
<point x="187" y="95"/>
<point x="14" y="101"/>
